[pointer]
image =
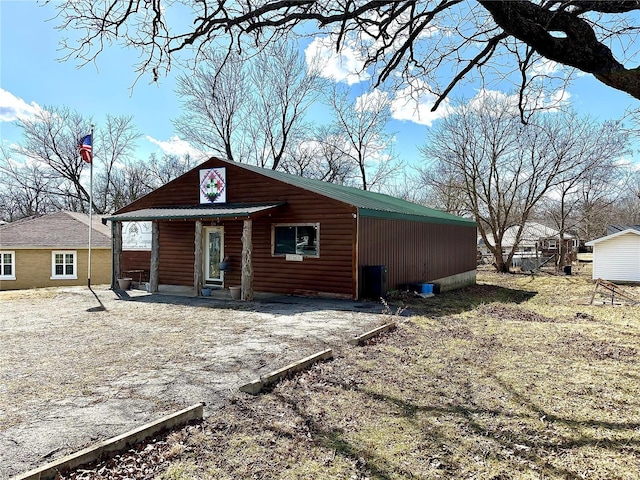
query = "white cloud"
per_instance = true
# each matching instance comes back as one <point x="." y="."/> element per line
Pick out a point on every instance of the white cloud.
<point x="343" y="66"/>
<point x="14" y="108"/>
<point x="545" y="67"/>
<point x="550" y="103"/>
<point x="494" y="96"/>
<point x="414" y="104"/>
<point x="176" y="146"/>
<point x="371" y="101"/>
<point x="559" y="97"/>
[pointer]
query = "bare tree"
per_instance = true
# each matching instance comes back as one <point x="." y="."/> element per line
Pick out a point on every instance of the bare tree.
<point x="600" y="202"/>
<point x="321" y="157"/>
<point x="50" y="141"/>
<point x="135" y="178"/>
<point x="215" y="98"/>
<point x="129" y="182"/>
<point x="444" y="42"/>
<point x="442" y="188"/>
<point x="46" y="172"/>
<point x="117" y="146"/>
<point x="283" y="91"/>
<point x="592" y="153"/>
<point x="166" y="168"/>
<point x="622" y="208"/>
<point x="501" y="167"/>
<point x="247" y="111"/>
<point x="360" y="126"/>
<point x="24" y="190"/>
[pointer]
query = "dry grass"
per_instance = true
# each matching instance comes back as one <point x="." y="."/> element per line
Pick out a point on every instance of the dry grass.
<point x="517" y="377"/>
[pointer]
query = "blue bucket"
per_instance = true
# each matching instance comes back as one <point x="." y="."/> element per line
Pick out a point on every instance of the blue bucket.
<point x="426" y="287"/>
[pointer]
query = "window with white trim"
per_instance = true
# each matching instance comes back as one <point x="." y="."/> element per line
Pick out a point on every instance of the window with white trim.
<point x="7" y="265"/>
<point x="64" y="265"/>
<point x="296" y="239"/>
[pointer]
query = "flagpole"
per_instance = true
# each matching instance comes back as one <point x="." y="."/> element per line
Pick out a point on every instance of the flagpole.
<point x="90" y="212"/>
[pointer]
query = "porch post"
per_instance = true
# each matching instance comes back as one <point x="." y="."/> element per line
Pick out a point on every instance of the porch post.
<point x="247" y="266"/>
<point x="155" y="257"/>
<point x="116" y="260"/>
<point x="197" y="263"/>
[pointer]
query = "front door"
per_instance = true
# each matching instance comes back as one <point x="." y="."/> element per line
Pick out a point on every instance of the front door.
<point x="214" y="247"/>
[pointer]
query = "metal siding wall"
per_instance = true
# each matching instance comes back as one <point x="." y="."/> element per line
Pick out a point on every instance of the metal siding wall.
<point x="416" y="251"/>
<point x="618" y="259"/>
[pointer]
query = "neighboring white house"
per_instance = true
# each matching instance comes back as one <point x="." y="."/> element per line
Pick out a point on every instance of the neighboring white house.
<point x="534" y="236"/>
<point x="616" y="257"/>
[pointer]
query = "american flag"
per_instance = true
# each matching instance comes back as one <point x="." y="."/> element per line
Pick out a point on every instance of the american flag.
<point x="84" y="147"/>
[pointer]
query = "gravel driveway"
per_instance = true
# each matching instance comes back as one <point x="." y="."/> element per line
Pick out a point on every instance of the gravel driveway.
<point x="71" y="376"/>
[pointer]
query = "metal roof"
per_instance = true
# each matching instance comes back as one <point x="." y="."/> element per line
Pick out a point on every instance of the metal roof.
<point x="182" y="213"/>
<point x="611" y="229"/>
<point x="369" y="204"/>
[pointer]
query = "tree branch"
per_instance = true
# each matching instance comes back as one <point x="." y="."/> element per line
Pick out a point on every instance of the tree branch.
<point x="579" y="47"/>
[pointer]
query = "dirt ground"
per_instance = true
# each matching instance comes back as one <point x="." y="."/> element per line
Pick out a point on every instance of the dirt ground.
<point x="71" y="376"/>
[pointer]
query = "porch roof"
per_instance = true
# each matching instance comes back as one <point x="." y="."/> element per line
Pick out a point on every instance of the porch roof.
<point x="229" y="210"/>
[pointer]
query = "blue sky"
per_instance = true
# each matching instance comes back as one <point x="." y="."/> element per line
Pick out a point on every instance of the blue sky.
<point x="31" y="76"/>
<point x="31" y="72"/>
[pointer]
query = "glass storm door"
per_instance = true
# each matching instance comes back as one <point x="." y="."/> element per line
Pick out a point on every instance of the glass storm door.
<point x="214" y="245"/>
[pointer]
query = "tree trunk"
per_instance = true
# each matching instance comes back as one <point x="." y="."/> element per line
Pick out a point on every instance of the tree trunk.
<point x="116" y="234"/>
<point x="197" y="263"/>
<point x="500" y="265"/>
<point x="247" y="266"/>
<point x="155" y="258"/>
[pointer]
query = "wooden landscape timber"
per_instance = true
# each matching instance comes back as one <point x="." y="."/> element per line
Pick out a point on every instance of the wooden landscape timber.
<point x="113" y="446"/>
<point x="359" y="340"/>
<point x="257" y="386"/>
<point x="615" y="290"/>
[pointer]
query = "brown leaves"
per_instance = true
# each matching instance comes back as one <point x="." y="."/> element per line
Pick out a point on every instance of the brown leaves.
<point x="141" y="462"/>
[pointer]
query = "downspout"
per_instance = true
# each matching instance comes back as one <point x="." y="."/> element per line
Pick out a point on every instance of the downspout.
<point x="356" y="256"/>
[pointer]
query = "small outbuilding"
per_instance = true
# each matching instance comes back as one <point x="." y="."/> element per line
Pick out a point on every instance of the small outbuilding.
<point x="227" y="224"/>
<point x="52" y="250"/>
<point x="616" y="257"/>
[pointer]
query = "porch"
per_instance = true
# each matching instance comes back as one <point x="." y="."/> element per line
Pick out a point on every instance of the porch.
<point x="207" y="247"/>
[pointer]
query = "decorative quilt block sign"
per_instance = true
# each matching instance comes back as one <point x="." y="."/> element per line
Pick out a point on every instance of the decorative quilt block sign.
<point x="213" y="185"/>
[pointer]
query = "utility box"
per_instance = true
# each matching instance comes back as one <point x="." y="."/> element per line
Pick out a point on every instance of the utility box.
<point x="374" y="281"/>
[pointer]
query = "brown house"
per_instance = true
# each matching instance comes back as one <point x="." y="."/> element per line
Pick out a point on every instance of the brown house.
<point x="52" y="251"/>
<point x="285" y="234"/>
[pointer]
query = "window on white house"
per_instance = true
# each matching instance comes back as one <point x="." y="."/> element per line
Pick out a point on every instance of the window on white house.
<point x="297" y="239"/>
<point x="7" y="265"/>
<point x="64" y="265"/>
<point x="552" y="244"/>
